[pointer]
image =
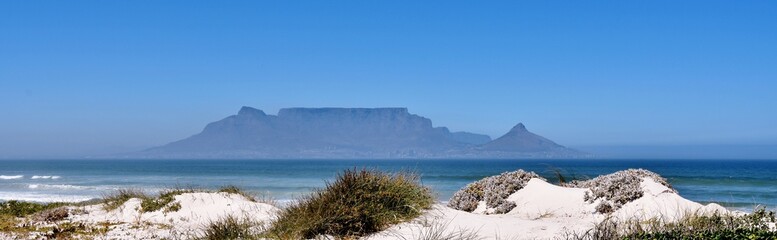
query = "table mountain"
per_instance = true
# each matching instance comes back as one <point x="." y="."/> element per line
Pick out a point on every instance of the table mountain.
<point x="347" y="133"/>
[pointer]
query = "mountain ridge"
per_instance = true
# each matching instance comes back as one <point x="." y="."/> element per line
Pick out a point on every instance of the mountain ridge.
<point x="349" y="133"/>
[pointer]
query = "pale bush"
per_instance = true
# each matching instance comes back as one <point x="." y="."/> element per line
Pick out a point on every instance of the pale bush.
<point x="493" y="190"/>
<point x="617" y="188"/>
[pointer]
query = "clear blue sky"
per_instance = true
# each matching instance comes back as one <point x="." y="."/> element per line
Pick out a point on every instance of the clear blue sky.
<point x="85" y="77"/>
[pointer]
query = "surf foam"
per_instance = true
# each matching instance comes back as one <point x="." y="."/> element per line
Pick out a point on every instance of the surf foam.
<point x="45" y="177"/>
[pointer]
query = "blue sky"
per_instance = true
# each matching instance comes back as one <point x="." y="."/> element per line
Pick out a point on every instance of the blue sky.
<point x="86" y="77"/>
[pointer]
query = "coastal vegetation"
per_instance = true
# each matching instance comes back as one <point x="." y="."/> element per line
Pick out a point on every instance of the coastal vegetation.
<point x="232" y="189"/>
<point x="617" y="188"/>
<point x="23" y="209"/>
<point x="360" y="203"/>
<point x="357" y="203"/>
<point x="117" y="198"/>
<point x="232" y="227"/>
<point x="756" y="225"/>
<point x="493" y="190"/>
<point x="164" y="200"/>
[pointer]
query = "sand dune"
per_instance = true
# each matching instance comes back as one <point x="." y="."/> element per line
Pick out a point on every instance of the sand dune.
<point x="542" y="211"/>
<point x="547" y="211"/>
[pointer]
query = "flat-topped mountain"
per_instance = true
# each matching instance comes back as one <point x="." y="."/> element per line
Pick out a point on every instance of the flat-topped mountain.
<point x="348" y="133"/>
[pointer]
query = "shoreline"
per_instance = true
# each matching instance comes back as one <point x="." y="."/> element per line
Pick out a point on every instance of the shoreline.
<point x="541" y="210"/>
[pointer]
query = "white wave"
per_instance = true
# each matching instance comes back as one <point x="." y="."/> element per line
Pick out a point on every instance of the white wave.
<point x="4" y="177"/>
<point x="59" y="186"/>
<point x="45" y="177"/>
<point x="37" y="197"/>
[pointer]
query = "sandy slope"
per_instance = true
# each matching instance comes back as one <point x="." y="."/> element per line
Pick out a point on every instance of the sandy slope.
<point x="546" y="211"/>
<point x="543" y="211"/>
<point x="197" y="210"/>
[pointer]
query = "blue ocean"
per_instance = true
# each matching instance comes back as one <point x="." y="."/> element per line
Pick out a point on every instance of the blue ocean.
<point x="737" y="184"/>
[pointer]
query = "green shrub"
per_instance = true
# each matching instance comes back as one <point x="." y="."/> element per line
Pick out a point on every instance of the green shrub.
<point x="357" y="203"/>
<point x="22" y="209"/>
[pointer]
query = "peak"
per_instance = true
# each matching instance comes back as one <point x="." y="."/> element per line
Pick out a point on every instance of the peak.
<point x="250" y="111"/>
<point x="519" y="127"/>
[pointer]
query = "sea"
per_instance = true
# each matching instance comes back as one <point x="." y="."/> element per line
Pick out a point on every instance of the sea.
<point x="735" y="184"/>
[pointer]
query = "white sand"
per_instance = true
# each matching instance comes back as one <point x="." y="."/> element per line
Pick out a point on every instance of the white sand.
<point x="543" y="211"/>
<point x="546" y="211"/>
<point x="662" y="203"/>
<point x="197" y="210"/>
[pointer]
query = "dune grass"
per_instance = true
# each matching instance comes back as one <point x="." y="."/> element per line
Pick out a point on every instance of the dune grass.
<point x="756" y="225"/>
<point x="148" y="203"/>
<point x="232" y="189"/>
<point x="357" y="203"/>
<point x="231" y="227"/>
<point x="23" y="209"/>
<point x="165" y="197"/>
<point x="12" y="214"/>
<point x="117" y="198"/>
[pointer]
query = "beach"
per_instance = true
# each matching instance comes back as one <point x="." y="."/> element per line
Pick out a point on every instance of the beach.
<point x="539" y="210"/>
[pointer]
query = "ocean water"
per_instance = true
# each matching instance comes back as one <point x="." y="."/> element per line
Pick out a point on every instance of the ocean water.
<point x="737" y="184"/>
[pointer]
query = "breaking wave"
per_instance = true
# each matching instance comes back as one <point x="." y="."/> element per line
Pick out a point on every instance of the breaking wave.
<point x="39" y="197"/>
<point x="7" y="177"/>
<point x="45" y="177"/>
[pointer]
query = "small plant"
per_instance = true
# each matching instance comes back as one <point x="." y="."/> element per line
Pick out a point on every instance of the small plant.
<point x="166" y="197"/>
<point x="173" y="207"/>
<point x="8" y="223"/>
<point x="235" y="190"/>
<point x="357" y="203"/>
<point x="441" y="231"/>
<point x="231" y="227"/>
<point x="52" y="215"/>
<point x="493" y="190"/>
<point x="115" y="199"/>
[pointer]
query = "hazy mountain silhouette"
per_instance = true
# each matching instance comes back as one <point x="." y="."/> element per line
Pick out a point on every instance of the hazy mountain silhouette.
<point x="518" y="139"/>
<point x="348" y="133"/>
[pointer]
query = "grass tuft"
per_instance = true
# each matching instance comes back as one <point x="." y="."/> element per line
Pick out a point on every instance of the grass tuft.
<point x="8" y="223"/>
<point x="115" y="199"/>
<point x="756" y="225"/>
<point x="23" y="209"/>
<point x="231" y="227"/>
<point x="357" y="203"/>
<point x="440" y="231"/>
<point x="165" y="197"/>
<point x="231" y="189"/>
